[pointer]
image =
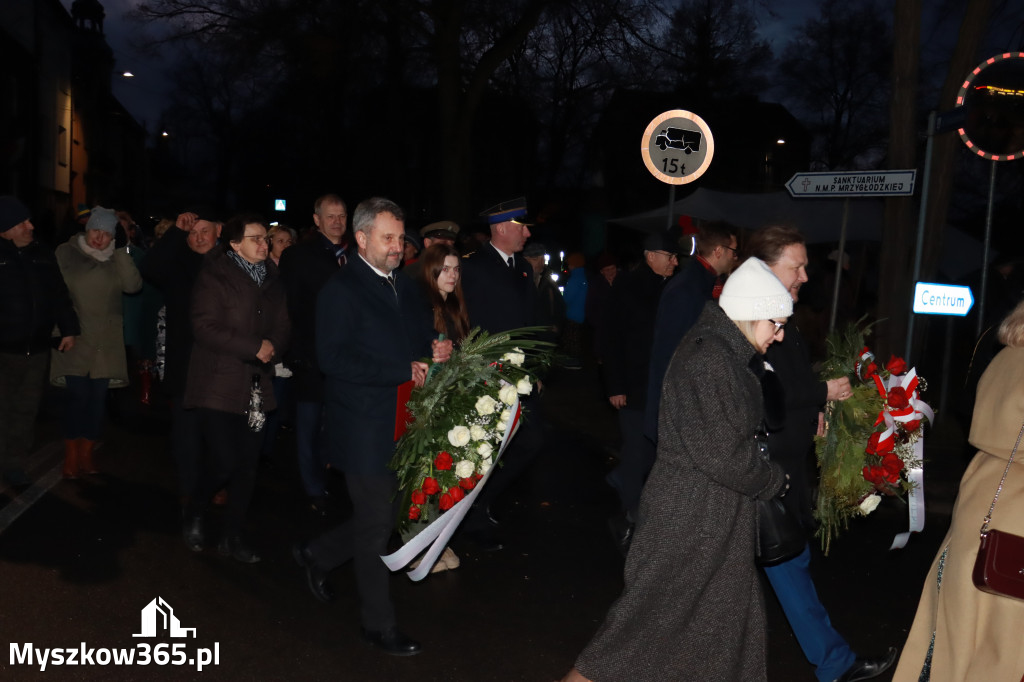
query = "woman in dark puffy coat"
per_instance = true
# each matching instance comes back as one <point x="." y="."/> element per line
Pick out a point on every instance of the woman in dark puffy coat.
<point x="240" y="324"/>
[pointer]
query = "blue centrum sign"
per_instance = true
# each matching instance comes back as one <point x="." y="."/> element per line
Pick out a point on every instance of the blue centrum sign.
<point x="942" y="299"/>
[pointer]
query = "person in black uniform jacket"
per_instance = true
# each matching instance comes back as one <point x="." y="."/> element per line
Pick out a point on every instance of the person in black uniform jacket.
<point x="173" y="265"/>
<point x="371" y="331"/>
<point x="628" y="337"/>
<point x="783" y="249"/>
<point x="500" y="295"/>
<point x="305" y="268"/>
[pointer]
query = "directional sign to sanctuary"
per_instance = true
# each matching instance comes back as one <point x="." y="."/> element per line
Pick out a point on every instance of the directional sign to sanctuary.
<point x="942" y="299"/>
<point x="881" y="183"/>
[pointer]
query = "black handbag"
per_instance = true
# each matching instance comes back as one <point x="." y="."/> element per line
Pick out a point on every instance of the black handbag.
<point x="780" y="536"/>
<point x="999" y="568"/>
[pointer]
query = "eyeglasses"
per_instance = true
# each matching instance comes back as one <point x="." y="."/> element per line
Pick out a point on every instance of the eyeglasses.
<point x="735" y="252"/>
<point x="256" y="238"/>
<point x="667" y="254"/>
<point x="779" y="327"/>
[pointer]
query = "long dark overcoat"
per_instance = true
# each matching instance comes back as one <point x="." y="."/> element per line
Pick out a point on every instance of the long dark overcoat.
<point x="692" y="606"/>
<point x="366" y="340"/>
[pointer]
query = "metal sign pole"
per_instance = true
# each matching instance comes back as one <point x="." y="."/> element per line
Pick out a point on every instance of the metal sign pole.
<point x="921" y="217"/>
<point x="671" y="206"/>
<point x="984" y="253"/>
<point x="839" y="265"/>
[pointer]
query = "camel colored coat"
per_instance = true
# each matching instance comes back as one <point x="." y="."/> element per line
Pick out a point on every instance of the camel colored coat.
<point x="978" y="636"/>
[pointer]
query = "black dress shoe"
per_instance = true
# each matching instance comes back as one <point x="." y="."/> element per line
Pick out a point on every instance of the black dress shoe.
<point x="192" y="532"/>
<point x="866" y="668"/>
<point x="316" y="578"/>
<point x="392" y="642"/>
<point x="232" y="546"/>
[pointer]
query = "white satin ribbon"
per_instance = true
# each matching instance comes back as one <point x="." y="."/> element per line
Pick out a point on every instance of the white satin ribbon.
<point x="436" y="535"/>
<point x="915" y="498"/>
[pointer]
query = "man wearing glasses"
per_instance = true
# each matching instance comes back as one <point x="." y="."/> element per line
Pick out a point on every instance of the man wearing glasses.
<point x="682" y="302"/>
<point x="783" y="250"/>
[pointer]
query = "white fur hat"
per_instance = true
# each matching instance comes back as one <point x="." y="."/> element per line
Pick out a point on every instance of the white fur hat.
<point x="753" y="292"/>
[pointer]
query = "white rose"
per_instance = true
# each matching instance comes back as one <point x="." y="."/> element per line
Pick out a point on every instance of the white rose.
<point x="464" y="468"/>
<point x="524" y="386"/>
<point x="477" y="432"/>
<point x="484" y="449"/>
<point x="485" y="466"/>
<point x="458" y="436"/>
<point x="507" y="394"/>
<point x="485" y="405"/>
<point x="869" y="504"/>
<point x="501" y="426"/>
<point x="517" y="358"/>
<point x="505" y="416"/>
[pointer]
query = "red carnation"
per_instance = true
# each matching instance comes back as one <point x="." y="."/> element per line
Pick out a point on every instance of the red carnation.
<point x="912" y="425"/>
<point x="445" y="503"/>
<point x="873" y="446"/>
<point x="456" y="493"/>
<point x="414" y="513"/>
<point x="430" y="486"/>
<point x="897" y="398"/>
<point x="893" y="465"/>
<point x="873" y="474"/>
<point x="896" y="365"/>
<point x="443" y="461"/>
<point x="467" y="483"/>
<point x="418" y="497"/>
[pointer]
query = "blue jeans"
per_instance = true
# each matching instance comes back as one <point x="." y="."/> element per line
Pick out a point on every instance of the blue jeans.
<point x="309" y="447"/>
<point x="822" y="645"/>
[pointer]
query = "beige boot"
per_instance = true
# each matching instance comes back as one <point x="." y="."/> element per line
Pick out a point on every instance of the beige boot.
<point x="85" y="462"/>
<point x="449" y="558"/>
<point x="70" y="458"/>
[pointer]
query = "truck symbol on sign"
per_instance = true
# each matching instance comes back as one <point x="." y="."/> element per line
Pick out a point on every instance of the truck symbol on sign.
<point x="677" y="138"/>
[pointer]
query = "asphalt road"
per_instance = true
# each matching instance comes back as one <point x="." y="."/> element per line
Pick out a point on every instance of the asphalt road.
<point x="80" y="560"/>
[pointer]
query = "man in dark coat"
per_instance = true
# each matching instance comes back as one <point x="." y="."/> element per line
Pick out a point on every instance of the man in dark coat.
<point x="783" y="249"/>
<point x="497" y="280"/>
<point x="34" y="299"/>
<point x="500" y="295"/>
<point x="371" y="331"/>
<point x="173" y="264"/>
<point x="629" y="334"/>
<point x="305" y="268"/>
<point x="682" y="302"/>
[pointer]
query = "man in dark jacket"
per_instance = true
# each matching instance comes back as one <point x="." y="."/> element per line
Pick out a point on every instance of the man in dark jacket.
<point x="372" y="326"/>
<point x="629" y="334"/>
<point x="305" y="268"/>
<point x="682" y="302"/>
<point x="34" y="299"/>
<point x="500" y="295"/>
<point x="783" y="249"/>
<point x="173" y="265"/>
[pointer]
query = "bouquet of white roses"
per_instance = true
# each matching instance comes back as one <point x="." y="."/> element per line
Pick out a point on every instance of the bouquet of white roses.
<point x="460" y="416"/>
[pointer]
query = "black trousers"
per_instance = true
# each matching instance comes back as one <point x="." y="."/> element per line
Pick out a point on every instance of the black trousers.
<point x="22" y="384"/>
<point x="363" y="538"/>
<point x="231" y="452"/>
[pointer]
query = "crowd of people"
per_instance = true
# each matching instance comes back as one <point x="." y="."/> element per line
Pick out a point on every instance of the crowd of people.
<point x="710" y="378"/>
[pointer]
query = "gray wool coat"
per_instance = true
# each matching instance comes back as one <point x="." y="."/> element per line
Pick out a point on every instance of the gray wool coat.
<point x="692" y="606"/>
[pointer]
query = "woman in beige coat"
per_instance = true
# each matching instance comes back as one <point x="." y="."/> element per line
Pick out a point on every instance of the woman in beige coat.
<point x="96" y="275"/>
<point x="960" y="633"/>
